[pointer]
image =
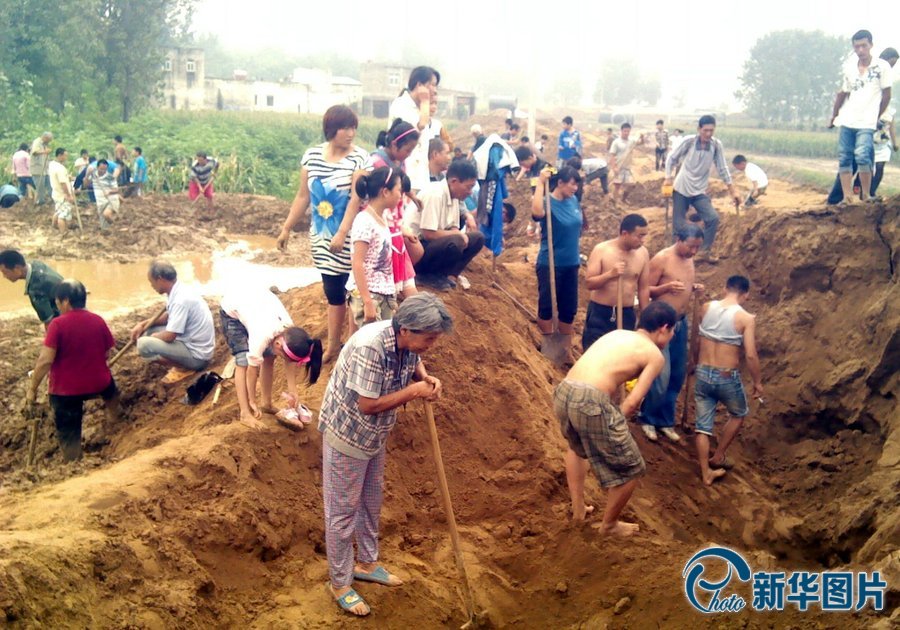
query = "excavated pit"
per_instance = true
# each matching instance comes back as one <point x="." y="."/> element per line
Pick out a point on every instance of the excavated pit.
<point x="181" y="517"/>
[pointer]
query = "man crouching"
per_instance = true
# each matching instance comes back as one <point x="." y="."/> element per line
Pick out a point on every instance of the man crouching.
<point x="595" y="428"/>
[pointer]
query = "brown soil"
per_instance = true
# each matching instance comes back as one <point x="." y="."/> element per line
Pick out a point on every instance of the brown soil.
<point x="181" y="517"/>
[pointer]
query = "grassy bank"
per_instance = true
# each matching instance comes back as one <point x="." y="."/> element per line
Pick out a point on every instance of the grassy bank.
<point x="811" y="144"/>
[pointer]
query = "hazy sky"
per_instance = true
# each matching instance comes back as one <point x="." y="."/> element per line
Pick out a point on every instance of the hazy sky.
<point x="696" y="47"/>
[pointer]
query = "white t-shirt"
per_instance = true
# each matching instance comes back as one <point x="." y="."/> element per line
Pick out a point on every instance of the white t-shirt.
<point x="589" y="165"/>
<point x="439" y="210"/>
<point x="756" y="174"/>
<point x="622" y="148"/>
<point x="261" y="313"/>
<point x="59" y="180"/>
<point x="860" y="110"/>
<point x="405" y="108"/>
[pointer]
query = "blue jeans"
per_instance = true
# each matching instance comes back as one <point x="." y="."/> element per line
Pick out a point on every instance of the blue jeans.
<point x="24" y="183"/>
<point x="713" y="386"/>
<point x="658" y="408"/>
<point x="704" y="208"/>
<point x="855" y="144"/>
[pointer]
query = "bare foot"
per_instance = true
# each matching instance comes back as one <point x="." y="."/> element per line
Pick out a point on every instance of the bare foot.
<point x="268" y="408"/>
<point x="715" y="473"/>
<point x="360" y="608"/>
<point x="588" y="509"/>
<point x="252" y="422"/>
<point x="619" y="528"/>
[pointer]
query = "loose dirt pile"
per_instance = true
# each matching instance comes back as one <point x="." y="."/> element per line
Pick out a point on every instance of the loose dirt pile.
<point x="181" y="517"/>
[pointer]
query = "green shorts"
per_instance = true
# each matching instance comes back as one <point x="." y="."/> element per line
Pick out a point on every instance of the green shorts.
<point x="598" y="432"/>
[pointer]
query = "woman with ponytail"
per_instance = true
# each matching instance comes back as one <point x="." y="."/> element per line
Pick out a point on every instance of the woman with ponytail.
<point x="413" y="106"/>
<point x="257" y="329"/>
<point x="371" y="284"/>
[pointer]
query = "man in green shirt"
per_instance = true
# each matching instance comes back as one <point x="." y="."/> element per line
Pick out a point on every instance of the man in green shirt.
<point x="40" y="282"/>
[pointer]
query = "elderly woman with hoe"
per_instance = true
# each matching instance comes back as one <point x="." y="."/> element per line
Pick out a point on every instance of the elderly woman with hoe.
<point x="378" y="371"/>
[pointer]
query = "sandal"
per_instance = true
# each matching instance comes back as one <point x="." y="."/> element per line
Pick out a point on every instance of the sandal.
<point x="348" y="600"/>
<point x="379" y="576"/>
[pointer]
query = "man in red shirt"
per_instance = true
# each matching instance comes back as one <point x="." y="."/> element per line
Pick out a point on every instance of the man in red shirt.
<point x="74" y="353"/>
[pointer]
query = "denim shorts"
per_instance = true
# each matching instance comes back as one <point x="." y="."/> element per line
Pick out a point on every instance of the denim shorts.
<point x="713" y="386"/>
<point x="238" y="339"/>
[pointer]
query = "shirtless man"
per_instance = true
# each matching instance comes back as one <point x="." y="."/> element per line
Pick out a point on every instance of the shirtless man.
<point x="672" y="281"/>
<point x="625" y="257"/>
<point x="595" y="428"/>
<point x="725" y="327"/>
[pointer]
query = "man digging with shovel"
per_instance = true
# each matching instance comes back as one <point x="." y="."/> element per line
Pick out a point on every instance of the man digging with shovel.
<point x="595" y="428"/>
<point x="378" y="370"/>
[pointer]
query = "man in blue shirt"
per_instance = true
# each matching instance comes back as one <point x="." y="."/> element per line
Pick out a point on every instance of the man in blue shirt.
<point x="569" y="142"/>
<point x="140" y="172"/>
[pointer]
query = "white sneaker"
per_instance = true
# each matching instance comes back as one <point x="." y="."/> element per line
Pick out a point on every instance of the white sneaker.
<point x="670" y="433"/>
<point x="464" y="282"/>
<point x="650" y="432"/>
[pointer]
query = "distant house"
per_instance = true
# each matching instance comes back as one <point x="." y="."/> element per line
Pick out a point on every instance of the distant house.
<point x="306" y="91"/>
<point x="383" y="82"/>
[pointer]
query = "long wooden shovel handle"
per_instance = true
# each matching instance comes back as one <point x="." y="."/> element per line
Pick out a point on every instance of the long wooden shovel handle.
<point x="620" y="298"/>
<point x="448" y="508"/>
<point x="547" y="213"/>
<point x="130" y="343"/>
<point x="693" y="340"/>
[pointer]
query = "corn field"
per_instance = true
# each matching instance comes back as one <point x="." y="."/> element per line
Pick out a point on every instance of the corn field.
<point x="258" y="153"/>
<point x="810" y="144"/>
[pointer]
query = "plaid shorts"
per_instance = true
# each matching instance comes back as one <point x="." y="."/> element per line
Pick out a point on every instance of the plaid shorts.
<point x="597" y="431"/>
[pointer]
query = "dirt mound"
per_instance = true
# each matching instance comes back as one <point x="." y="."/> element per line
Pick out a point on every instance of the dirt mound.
<point x="149" y="226"/>
<point x="183" y="518"/>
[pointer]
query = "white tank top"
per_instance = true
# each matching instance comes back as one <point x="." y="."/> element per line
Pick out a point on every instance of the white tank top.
<point x="718" y="324"/>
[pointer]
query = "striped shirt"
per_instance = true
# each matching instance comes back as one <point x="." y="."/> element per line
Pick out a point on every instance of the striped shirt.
<point x="202" y="173"/>
<point x="337" y="175"/>
<point x="372" y="366"/>
<point x="696" y="162"/>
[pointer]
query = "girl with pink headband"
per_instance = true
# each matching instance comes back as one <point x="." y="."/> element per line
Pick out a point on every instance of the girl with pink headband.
<point x="257" y="329"/>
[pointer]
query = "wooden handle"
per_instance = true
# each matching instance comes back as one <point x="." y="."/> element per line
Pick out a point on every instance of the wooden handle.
<point x="693" y="340"/>
<point x="547" y="213"/>
<point x="620" y="289"/>
<point x="448" y="509"/>
<point x="130" y="343"/>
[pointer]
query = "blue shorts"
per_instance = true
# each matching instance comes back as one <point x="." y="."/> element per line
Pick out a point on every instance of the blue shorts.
<point x="713" y="386"/>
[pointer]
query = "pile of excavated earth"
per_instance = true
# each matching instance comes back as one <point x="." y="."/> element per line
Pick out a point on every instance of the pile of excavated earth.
<point x="182" y="517"/>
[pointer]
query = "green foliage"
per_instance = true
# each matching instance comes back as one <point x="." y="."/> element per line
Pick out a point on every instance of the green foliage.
<point x="101" y="56"/>
<point x="621" y="83"/>
<point x="812" y="144"/>
<point x="258" y="153"/>
<point x="791" y="76"/>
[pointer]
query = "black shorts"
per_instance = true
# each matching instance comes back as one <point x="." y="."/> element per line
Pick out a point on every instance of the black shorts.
<point x="335" y="288"/>
<point x="601" y="319"/>
<point x="566" y="293"/>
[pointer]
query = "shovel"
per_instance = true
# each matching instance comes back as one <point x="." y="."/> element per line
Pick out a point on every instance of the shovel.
<point x="667" y="195"/>
<point x="227" y="372"/>
<point x="531" y="315"/>
<point x="130" y="343"/>
<point x="469" y="601"/>
<point x="693" y="345"/>
<point x="555" y="345"/>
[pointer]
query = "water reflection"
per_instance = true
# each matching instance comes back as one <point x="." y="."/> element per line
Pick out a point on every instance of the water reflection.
<point x="117" y="287"/>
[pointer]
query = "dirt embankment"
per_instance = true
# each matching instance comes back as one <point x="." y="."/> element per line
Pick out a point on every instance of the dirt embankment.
<point x="182" y="517"/>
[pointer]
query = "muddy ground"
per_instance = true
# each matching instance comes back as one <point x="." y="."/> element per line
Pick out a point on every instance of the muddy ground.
<point x="181" y="517"/>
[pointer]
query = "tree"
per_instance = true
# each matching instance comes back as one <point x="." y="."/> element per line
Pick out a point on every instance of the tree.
<point x="566" y="92"/>
<point x="791" y="76"/>
<point x="621" y="83"/>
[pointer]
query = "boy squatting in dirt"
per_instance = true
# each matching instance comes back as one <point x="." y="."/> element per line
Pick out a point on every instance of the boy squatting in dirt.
<point x="595" y="428"/>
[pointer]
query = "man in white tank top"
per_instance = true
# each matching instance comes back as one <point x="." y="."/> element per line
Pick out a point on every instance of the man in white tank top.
<point x="725" y="328"/>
